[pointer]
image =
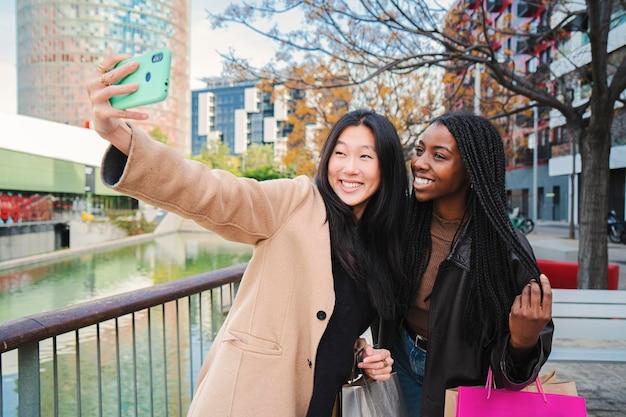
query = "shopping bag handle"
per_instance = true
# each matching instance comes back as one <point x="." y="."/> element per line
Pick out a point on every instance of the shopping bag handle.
<point x="489" y="385"/>
<point x="359" y="349"/>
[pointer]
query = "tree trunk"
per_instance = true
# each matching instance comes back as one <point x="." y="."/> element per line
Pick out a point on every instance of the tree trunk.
<point x="594" y="199"/>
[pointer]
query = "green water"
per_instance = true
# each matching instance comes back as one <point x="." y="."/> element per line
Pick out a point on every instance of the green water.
<point x="42" y="287"/>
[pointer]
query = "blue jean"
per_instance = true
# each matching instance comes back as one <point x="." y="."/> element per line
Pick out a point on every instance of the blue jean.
<point x="409" y="363"/>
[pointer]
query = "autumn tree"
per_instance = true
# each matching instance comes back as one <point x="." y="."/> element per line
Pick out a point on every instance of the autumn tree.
<point x="258" y="156"/>
<point x="216" y="155"/>
<point x="317" y="106"/>
<point x="300" y="158"/>
<point x="368" y="38"/>
<point x="259" y="163"/>
<point x="158" y="134"/>
<point x="410" y="101"/>
<point x="318" y="101"/>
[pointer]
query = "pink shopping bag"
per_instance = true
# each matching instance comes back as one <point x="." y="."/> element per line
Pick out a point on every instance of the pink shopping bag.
<point x="489" y="402"/>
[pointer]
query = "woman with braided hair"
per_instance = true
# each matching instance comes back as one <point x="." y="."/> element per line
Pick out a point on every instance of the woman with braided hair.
<point x="477" y="299"/>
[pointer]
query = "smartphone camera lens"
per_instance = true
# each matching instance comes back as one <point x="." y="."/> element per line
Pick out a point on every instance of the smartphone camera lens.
<point x="148" y="76"/>
<point x="157" y="57"/>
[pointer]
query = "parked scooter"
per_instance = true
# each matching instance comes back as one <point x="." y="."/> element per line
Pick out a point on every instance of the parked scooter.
<point x="615" y="228"/>
<point x="520" y="222"/>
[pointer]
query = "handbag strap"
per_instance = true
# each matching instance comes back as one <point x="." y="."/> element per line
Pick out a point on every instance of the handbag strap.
<point x="489" y="385"/>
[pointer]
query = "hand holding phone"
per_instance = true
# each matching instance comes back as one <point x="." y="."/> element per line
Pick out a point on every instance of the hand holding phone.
<point x="152" y="77"/>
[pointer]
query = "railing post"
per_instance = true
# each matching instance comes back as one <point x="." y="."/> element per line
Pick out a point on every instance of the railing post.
<point x="28" y="384"/>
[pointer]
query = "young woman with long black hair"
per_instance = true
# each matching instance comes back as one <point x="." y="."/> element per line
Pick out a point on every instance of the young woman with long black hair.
<point x="325" y="262"/>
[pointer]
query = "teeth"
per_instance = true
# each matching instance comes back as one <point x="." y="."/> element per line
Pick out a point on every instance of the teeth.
<point x="351" y="184"/>
<point x="423" y="181"/>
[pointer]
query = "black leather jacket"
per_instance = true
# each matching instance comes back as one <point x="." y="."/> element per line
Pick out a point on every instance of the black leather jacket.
<point x="449" y="361"/>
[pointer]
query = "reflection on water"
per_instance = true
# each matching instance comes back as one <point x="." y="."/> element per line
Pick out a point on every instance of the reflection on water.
<point x="168" y="390"/>
<point x="142" y="356"/>
<point x="44" y="287"/>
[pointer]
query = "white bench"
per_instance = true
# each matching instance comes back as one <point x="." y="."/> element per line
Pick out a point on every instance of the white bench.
<point x="597" y="316"/>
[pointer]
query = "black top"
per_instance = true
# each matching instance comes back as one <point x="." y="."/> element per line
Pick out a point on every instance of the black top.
<point x="352" y="315"/>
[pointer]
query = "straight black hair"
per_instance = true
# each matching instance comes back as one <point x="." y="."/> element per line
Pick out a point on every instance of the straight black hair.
<point x="369" y="250"/>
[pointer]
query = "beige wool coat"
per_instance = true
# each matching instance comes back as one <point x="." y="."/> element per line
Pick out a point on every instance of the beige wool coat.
<point x="262" y="361"/>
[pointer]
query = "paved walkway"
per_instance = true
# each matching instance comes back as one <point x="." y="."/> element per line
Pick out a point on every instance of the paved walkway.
<point x="603" y="385"/>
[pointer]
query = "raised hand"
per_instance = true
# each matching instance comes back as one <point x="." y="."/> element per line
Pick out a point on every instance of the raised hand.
<point x="530" y="313"/>
<point x="107" y="121"/>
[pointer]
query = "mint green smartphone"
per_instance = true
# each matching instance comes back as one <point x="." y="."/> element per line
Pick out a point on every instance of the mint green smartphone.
<point x="152" y="76"/>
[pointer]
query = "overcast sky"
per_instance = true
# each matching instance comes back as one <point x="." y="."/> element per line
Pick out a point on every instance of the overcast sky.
<point x="204" y="42"/>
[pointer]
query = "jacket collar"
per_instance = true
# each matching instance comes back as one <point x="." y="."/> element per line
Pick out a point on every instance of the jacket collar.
<point x="460" y="252"/>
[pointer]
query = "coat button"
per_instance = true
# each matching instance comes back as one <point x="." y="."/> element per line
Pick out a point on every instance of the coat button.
<point x="321" y="315"/>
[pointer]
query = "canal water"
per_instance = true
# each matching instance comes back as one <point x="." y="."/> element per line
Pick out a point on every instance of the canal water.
<point x="42" y="287"/>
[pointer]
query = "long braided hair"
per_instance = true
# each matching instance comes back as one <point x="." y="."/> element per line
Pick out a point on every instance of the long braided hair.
<point x="369" y="250"/>
<point x="492" y="288"/>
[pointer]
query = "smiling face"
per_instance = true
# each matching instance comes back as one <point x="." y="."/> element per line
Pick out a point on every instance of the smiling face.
<point x="439" y="173"/>
<point x="353" y="170"/>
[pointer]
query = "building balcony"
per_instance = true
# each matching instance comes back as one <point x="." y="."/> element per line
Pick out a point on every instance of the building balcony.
<point x="524" y="155"/>
<point x="561" y="149"/>
<point x="528" y="9"/>
<point x="497" y="6"/>
<point x="526" y="46"/>
<point x="580" y="23"/>
<point x="472" y="4"/>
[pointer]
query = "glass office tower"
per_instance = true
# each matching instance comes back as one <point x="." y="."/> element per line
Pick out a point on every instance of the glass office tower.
<point x="60" y="43"/>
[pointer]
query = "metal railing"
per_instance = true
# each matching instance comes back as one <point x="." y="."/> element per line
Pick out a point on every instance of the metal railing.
<point x="133" y="354"/>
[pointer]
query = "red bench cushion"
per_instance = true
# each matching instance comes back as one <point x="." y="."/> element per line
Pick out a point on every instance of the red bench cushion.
<point x="564" y="274"/>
